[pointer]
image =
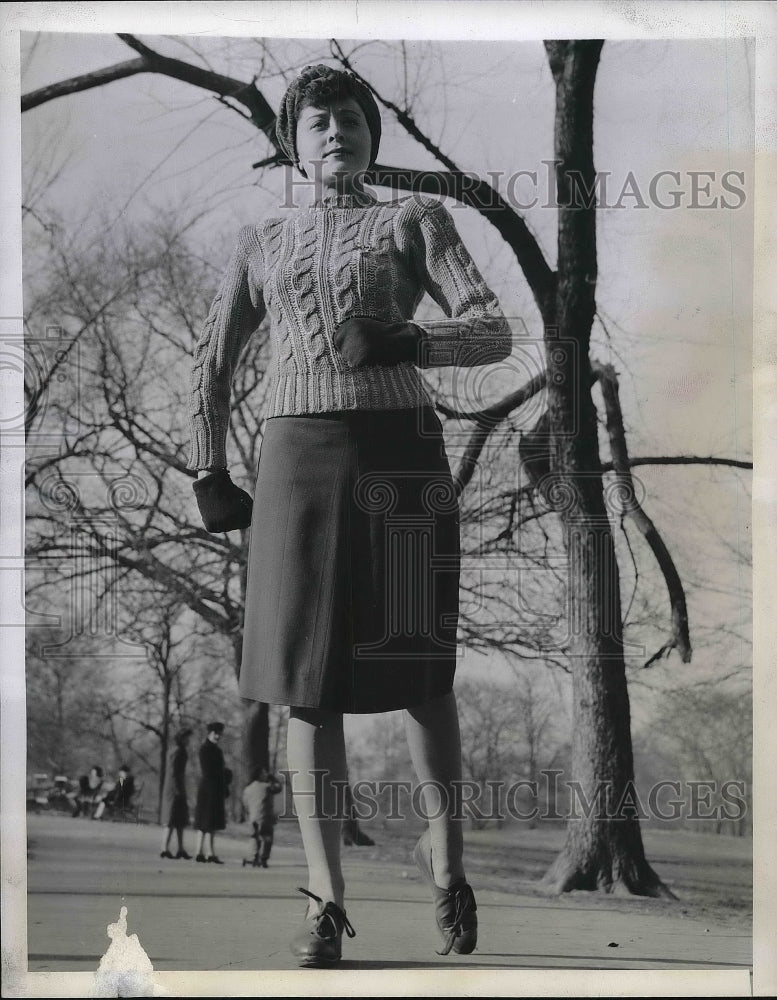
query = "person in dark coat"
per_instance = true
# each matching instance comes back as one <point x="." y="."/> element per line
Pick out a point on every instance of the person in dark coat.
<point x="210" y="813"/>
<point x="119" y="798"/>
<point x="175" y="806"/>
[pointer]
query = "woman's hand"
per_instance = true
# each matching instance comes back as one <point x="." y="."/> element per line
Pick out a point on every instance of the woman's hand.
<point x="363" y="340"/>
<point x="223" y="506"/>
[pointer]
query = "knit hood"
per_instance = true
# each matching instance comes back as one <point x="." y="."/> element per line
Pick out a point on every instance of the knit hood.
<point x="295" y="97"/>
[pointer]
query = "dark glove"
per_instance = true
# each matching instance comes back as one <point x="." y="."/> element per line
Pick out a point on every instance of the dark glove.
<point x="365" y="341"/>
<point x="223" y="506"/>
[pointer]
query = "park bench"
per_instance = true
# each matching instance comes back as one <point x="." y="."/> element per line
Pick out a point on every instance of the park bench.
<point x="126" y="811"/>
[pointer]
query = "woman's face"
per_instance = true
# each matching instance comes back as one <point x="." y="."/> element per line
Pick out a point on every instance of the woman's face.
<point x="334" y="143"/>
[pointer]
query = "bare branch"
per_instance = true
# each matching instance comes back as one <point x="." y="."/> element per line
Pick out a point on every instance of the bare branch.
<point x="486" y="421"/>
<point x="734" y="463"/>
<point x="404" y="119"/>
<point x="261" y="114"/>
<point x="679" y="638"/>
<point x="87" y="81"/>
<point x="259" y="111"/>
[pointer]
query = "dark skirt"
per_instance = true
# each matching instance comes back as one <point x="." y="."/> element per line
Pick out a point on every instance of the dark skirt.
<point x="175" y="812"/>
<point x="175" y="806"/>
<point x="353" y="566"/>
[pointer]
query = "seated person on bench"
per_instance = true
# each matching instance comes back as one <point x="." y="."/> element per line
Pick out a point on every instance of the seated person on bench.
<point x="89" y="794"/>
<point x="119" y="798"/>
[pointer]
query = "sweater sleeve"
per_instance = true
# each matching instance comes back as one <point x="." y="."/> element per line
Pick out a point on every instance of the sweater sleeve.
<point x="476" y="331"/>
<point x="235" y="313"/>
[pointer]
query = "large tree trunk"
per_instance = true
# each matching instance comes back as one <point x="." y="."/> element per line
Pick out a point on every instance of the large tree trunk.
<point x="256" y="739"/>
<point x="603" y="848"/>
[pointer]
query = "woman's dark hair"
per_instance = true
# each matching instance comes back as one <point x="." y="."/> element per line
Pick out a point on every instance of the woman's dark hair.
<point x="322" y="90"/>
<point x="317" y="86"/>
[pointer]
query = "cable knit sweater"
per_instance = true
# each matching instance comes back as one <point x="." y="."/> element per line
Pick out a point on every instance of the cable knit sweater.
<point x="348" y="255"/>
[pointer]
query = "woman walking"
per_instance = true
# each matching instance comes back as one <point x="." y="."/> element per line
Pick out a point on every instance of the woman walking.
<point x="210" y="813"/>
<point x="175" y="806"/>
<point x="353" y="568"/>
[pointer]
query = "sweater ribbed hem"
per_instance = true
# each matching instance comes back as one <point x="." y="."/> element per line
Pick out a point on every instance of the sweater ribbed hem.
<point x="295" y="394"/>
<point x="374" y="388"/>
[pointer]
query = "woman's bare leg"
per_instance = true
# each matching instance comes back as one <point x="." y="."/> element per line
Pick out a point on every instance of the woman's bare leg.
<point x="435" y="748"/>
<point x="317" y="766"/>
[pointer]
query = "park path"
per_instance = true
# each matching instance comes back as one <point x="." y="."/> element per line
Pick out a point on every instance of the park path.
<point x="232" y="919"/>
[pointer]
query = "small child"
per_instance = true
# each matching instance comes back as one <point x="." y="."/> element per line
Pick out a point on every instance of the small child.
<point x="258" y="800"/>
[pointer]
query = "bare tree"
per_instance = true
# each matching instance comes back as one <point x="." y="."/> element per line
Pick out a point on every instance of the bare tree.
<point x="490" y="741"/>
<point x="64" y="704"/>
<point x="706" y="736"/>
<point x="158" y="699"/>
<point x="121" y="465"/>
<point x="509" y="731"/>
